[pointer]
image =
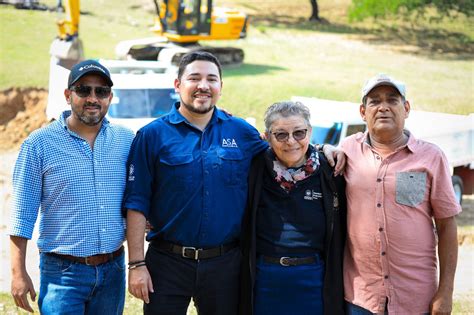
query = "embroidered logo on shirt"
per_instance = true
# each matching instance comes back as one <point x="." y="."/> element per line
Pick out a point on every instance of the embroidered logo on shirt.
<point x="229" y="143"/>
<point x="312" y="195"/>
<point x="131" y="173"/>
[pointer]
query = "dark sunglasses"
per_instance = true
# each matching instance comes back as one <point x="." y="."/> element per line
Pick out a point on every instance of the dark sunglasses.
<point x="298" y="135"/>
<point x="85" y="90"/>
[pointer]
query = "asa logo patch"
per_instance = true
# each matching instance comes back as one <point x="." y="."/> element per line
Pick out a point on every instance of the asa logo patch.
<point x="229" y="143"/>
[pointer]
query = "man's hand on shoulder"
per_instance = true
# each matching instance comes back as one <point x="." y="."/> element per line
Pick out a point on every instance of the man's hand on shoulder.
<point x="336" y="158"/>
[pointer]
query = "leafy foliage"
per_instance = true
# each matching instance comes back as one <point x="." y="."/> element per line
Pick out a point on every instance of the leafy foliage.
<point x="362" y="9"/>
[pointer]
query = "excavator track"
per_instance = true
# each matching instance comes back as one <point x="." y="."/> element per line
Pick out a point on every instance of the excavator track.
<point x="228" y="56"/>
<point x="168" y="52"/>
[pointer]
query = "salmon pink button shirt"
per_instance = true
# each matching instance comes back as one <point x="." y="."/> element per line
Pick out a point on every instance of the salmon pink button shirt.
<point x="391" y="247"/>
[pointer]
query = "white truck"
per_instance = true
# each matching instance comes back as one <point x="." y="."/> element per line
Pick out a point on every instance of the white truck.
<point x="332" y="121"/>
<point x="143" y="91"/>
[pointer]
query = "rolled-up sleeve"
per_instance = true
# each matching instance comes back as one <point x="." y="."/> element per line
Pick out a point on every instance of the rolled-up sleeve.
<point x="140" y="168"/>
<point x="27" y="188"/>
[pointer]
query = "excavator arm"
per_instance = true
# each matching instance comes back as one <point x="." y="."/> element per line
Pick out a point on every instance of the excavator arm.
<point x="67" y="47"/>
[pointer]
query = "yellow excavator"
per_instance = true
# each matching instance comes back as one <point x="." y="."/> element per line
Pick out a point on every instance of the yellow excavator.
<point x="179" y="24"/>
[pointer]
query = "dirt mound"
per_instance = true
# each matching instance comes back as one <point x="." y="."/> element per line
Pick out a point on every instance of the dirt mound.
<point x="22" y="110"/>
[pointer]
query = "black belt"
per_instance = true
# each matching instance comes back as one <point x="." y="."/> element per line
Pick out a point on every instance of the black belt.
<point x="291" y="261"/>
<point x="193" y="252"/>
<point x="90" y="260"/>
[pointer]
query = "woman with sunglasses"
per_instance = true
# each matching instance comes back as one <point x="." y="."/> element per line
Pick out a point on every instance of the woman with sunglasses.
<point x="294" y="227"/>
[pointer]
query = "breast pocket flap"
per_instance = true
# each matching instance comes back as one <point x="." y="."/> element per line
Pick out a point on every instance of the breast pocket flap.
<point x="176" y="159"/>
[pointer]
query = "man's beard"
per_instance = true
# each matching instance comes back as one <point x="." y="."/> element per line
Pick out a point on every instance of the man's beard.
<point x="201" y="110"/>
<point x="91" y="120"/>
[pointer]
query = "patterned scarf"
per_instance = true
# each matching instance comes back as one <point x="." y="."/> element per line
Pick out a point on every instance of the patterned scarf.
<point x="288" y="177"/>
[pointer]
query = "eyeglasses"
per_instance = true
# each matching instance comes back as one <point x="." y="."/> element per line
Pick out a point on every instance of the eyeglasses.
<point x="298" y="135"/>
<point x="85" y="90"/>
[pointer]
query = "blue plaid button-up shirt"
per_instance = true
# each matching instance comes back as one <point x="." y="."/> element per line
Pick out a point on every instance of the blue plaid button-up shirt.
<point x="77" y="191"/>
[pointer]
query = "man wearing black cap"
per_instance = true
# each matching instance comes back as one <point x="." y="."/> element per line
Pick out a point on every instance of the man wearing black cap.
<point x="73" y="172"/>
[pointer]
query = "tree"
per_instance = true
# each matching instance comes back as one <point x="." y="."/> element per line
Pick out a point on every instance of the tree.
<point x="362" y="9"/>
<point x="315" y="11"/>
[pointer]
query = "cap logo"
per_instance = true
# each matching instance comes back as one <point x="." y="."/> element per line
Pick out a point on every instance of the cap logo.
<point x="91" y="66"/>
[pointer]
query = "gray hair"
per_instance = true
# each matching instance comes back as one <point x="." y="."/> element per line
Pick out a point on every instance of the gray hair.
<point x="286" y="109"/>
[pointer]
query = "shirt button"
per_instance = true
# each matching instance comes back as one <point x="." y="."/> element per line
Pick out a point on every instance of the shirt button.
<point x="102" y="207"/>
<point x="377" y="157"/>
<point x="386" y="277"/>
<point x="103" y="230"/>
<point x="207" y="193"/>
<point x="380" y="229"/>
<point x="379" y="180"/>
<point x="379" y="205"/>
<point x="204" y="152"/>
<point x="206" y="172"/>
<point x="383" y="253"/>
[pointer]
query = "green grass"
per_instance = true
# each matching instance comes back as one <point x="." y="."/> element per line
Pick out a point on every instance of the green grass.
<point x="285" y="55"/>
<point x="133" y="306"/>
<point x="463" y="305"/>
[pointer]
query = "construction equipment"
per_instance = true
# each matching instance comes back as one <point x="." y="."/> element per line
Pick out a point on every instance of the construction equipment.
<point x="67" y="47"/>
<point x="180" y="24"/>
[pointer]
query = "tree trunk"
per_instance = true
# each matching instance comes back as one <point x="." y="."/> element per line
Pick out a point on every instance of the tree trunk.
<point x="315" y="14"/>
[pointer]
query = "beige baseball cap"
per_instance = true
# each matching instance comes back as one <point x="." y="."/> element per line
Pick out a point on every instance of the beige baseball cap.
<point x="383" y="79"/>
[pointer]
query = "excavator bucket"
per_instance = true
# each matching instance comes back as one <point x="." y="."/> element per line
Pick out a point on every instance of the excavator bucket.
<point x="67" y="52"/>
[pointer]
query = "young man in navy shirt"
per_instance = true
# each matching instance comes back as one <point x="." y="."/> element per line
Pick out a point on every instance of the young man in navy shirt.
<point x="187" y="175"/>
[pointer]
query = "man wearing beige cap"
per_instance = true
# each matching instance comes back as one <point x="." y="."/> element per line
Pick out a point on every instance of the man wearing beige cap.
<point x="396" y="185"/>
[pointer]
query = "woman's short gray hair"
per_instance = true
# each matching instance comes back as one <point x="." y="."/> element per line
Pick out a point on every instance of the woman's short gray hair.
<point x="286" y="109"/>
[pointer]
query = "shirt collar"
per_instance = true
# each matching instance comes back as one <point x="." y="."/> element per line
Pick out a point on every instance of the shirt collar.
<point x="175" y="116"/>
<point x="410" y="145"/>
<point x="64" y="115"/>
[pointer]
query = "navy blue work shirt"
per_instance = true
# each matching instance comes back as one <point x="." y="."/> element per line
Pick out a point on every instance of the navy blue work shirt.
<point x="191" y="184"/>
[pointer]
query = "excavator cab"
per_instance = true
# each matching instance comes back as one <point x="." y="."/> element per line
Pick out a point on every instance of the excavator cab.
<point x="181" y="24"/>
<point x="188" y="21"/>
<point x="190" y="17"/>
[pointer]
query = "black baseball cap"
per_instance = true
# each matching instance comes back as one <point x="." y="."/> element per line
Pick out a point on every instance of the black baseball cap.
<point x="88" y="67"/>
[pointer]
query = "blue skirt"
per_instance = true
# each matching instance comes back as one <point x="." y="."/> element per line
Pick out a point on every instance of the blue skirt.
<point x="281" y="290"/>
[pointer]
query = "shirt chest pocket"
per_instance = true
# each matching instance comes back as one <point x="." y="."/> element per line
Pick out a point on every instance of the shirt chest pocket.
<point x="177" y="168"/>
<point x="232" y="168"/>
<point x="410" y="188"/>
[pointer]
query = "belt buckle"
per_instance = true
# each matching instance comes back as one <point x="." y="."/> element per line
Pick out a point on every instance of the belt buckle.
<point x="196" y="252"/>
<point x="284" y="262"/>
<point x="86" y="259"/>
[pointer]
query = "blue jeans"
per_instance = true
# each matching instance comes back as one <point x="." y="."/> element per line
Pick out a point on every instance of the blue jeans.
<point x="73" y="288"/>
<point x="281" y="290"/>
<point x="212" y="283"/>
<point x="352" y="309"/>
